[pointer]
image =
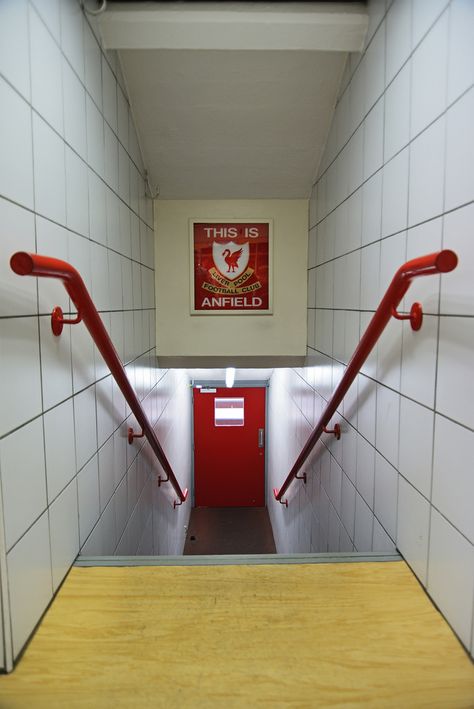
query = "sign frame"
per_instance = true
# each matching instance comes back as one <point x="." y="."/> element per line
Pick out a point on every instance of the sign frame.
<point x="233" y="311"/>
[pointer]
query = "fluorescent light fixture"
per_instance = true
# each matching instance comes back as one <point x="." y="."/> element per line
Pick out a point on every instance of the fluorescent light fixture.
<point x="229" y="377"/>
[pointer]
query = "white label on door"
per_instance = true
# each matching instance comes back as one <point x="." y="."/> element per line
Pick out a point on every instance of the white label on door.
<point x="229" y="412"/>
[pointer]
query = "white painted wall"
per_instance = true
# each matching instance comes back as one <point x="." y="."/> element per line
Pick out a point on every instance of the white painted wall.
<point x="179" y="333"/>
<point x="396" y="181"/>
<point x="72" y="186"/>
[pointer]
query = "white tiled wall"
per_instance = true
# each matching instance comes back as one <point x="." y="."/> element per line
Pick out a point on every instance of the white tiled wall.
<point x="72" y="186"/>
<point x="396" y="181"/>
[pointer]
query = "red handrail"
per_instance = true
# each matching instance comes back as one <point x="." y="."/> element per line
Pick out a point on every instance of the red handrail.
<point x="25" y="264"/>
<point x="440" y="262"/>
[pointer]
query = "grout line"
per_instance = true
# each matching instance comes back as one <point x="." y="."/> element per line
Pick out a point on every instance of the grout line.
<point x="103" y="55"/>
<point x="389" y="236"/>
<point x="438" y="332"/>
<point x="407" y="219"/>
<point x="405" y="396"/>
<point x="386" y="86"/>
<point x="472" y="631"/>
<point x="400" y="474"/>
<point x="415" y="137"/>
<point x="76" y="233"/>
<point x="80" y="391"/>
<point x="428" y="314"/>
<point x="364" y="51"/>
<point x="74" y="150"/>
<point x="49" y="503"/>
<point x="116" y="312"/>
<point x="6" y="637"/>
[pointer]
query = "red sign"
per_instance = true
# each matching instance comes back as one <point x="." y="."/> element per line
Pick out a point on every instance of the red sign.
<point x="231" y="267"/>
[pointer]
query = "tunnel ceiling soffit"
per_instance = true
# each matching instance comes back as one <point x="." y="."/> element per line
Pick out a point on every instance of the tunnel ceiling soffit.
<point x="235" y="102"/>
<point x="243" y="363"/>
<point x="339" y="27"/>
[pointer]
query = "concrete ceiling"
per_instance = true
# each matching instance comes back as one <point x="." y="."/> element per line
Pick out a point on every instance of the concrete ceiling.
<point x="223" y="113"/>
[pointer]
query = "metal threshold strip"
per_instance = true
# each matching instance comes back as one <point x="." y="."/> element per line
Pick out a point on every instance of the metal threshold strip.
<point x="237" y="559"/>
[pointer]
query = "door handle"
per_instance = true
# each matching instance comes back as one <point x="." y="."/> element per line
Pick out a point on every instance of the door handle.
<point x="261" y="437"/>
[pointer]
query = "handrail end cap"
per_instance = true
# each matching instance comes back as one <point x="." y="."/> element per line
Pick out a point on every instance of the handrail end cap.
<point x="446" y="261"/>
<point x="21" y="263"/>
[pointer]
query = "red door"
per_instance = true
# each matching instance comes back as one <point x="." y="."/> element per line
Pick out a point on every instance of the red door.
<point x="229" y="447"/>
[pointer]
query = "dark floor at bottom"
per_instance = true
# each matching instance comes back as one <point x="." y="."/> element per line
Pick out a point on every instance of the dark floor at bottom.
<point x="229" y="530"/>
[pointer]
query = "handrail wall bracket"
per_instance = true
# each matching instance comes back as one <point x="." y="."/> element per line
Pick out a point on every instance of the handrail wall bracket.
<point x="302" y="477"/>
<point x="131" y="435"/>
<point x="336" y="430"/>
<point x="415" y="316"/>
<point x="58" y="321"/>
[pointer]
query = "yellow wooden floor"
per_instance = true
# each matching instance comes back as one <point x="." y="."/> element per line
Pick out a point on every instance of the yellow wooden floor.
<point x="316" y="635"/>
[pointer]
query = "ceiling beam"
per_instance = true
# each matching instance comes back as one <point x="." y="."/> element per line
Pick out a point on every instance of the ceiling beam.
<point x="308" y="26"/>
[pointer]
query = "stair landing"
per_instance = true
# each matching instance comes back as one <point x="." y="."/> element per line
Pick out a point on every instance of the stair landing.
<point x="229" y="530"/>
<point x="264" y="635"/>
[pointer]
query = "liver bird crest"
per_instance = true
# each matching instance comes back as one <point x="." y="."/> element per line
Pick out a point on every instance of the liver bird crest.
<point x="230" y="259"/>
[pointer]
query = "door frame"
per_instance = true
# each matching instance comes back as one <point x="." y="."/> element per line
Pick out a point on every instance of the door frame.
<point x="220" y="384"/>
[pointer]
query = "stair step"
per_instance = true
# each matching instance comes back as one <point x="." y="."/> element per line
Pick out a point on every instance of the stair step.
<point x="237" y="559"/>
